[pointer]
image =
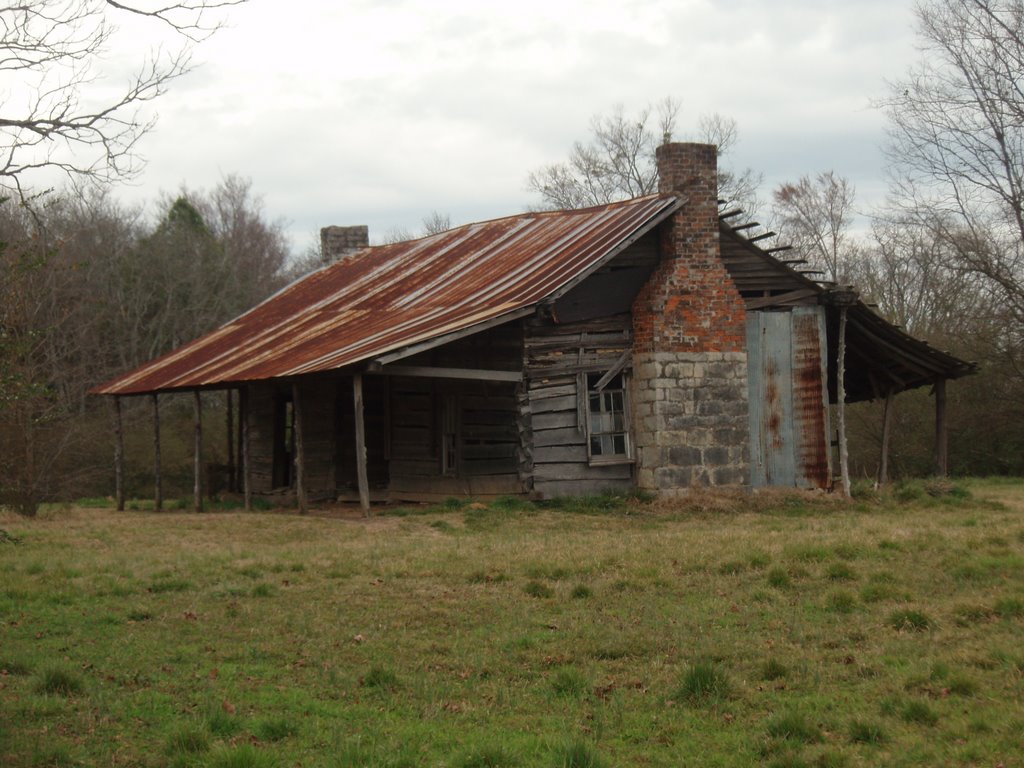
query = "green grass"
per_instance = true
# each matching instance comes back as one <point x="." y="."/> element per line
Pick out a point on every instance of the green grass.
<point x="703" y="683"/>
<point x="59" y="681"/>
<point x="759" y="629"/>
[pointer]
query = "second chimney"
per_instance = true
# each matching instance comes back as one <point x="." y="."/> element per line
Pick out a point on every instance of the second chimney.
<point x="338" y="242"/>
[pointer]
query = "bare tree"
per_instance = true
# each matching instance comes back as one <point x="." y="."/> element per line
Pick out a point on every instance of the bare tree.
<point x="436" y="222"/>
<point x="618" y="161"/>
<point x="734" y="186"/>
<point x="956" y="139"/>
<point x="815" y="216"/>
<point x="433" y="223"/>
<point x="61" y="114"/>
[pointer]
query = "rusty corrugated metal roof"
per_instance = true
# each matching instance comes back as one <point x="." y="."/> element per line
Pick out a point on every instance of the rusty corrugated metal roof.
<point x="388" y="297"/>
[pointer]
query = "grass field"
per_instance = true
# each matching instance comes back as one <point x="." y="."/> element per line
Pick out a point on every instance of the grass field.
<point x="784" y="630"/>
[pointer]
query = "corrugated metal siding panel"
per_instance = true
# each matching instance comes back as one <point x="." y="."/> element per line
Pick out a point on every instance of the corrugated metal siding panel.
<point x="810" y="398"/>
<point x="788" y="398"/>
<point x="770" y="379"/>
<point x="388" y="297"/>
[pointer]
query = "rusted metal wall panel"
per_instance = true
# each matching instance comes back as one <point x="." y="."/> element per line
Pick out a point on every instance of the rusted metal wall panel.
<point x="788" y="398"/>
<point x="810" y="398"/>
<point x="770" y="379"/>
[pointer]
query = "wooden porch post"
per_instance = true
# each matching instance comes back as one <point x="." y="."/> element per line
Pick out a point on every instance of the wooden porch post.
<point x="239" y="469"/>
<point x="158" y="490"/>
<point x="118" y="455"/>
<point x="364" y="483"/>
<point x="941" y="430"/>
<point x="229" y="402"/>
<point x="300" y="451"/>
<point x="883" y="463"/>
<point x="844" y="457"/>
<point x="243" y="418"/>
<point x="197" y="468"/>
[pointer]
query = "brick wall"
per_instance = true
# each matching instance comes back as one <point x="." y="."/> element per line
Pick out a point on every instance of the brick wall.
<point x="689" y="359"/>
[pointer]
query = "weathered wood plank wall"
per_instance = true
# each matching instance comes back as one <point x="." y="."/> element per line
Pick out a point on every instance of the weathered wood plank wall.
<point x="554" y="356"/>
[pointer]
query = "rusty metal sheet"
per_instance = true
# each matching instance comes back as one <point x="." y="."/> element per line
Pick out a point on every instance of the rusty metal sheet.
<point x="788" y="398"/>
<point x="388" y="297"/>
<point x="810" y="398"/>
<point x="770" y="382"/>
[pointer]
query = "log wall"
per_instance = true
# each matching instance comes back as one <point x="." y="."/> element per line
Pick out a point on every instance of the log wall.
<point x="554" y="422"/>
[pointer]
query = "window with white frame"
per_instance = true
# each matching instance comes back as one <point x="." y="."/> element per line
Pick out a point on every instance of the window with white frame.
<point x="607" y="419"/>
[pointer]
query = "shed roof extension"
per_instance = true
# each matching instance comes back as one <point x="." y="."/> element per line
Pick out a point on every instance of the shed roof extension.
<point x="881" y="357"/>
<point x="384" y="299"/>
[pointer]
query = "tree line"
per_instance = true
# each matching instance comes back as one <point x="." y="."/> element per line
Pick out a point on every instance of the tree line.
<point x="89" y="289"/>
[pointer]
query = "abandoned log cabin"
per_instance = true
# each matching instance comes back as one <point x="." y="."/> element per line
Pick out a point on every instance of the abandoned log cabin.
<point x="649" y="343"/>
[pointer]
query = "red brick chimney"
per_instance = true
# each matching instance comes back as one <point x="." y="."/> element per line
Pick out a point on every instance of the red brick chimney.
<point x="689" y="381"/>
<point x="690" y="304"/>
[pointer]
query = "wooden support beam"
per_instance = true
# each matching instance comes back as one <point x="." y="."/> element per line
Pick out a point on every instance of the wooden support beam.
<point x="844" y="455"/>
<point x="158" y="481"/>
<point x="883" y="462"/>
<point x="780" y="299"/>
<point x="433" y="372"/>
<point x="230" y="428"/>
<point x="778" y="249"/>
<point x="624" y="359"/>
<point x="118" y="455"/>
<point x="243" y="418"/>
<point x="747" y="225"/>
<point x="239" y="485"/>
<point x="762" y="236"/>
<point x="361" y="475"/>
<point x="300" y="451"/>
<point x="197" y="453"/>
<point x="941" y="430"/>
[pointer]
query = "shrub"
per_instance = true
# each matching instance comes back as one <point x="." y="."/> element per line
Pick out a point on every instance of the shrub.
<point x="14" y="667"/>
<point x="58" y="681"/>
<point x="840" y="572"/>
<point x="778" y="578"/>
<point x="263" y="589"/>
<point x="773" y="670"/>
<point x="489" y="756"/>
<point x="570" y="683"/>
<point x="169" y="585"/>
<point x="914" y="621"/>
<point x="581" y="592"/>
<point x="1009" y="608"/>
<point x="187" y="740"/>
<point x="220" y="723"/>
<point x="242" y="756"/>
<point x="536" y="589"/>
<point x="959" y="685"/>
<point x="862" y="732"/>
<point x="918" y="712"/>
<point x="577" y="754"/>
<point x="380" y="677"/>
<point x="274" y="730"/>
<point x="794" y="726"/>
<point x="703" y="683"/>
<point x="841" y="602"/>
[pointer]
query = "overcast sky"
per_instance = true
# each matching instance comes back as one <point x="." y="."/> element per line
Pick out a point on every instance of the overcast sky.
<point x="380" y="111"/>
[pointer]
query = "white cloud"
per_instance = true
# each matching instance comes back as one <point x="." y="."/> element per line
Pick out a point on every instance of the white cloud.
<point x="379" y="112"/>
